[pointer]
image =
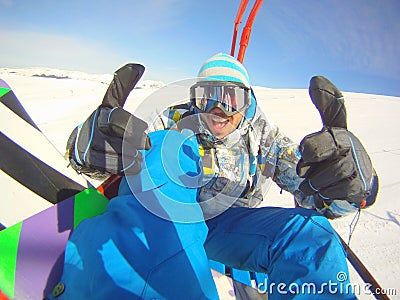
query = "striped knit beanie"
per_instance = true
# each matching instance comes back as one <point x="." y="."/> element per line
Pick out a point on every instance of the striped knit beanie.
<point x="223" y="67"/>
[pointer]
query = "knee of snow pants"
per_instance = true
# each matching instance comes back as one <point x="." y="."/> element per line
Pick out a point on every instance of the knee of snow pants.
<point x="144" y="246"/>
<point x="296" y="247"/>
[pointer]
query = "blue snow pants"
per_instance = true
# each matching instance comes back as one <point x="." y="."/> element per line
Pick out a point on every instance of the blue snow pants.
<point x="152" y="242"/>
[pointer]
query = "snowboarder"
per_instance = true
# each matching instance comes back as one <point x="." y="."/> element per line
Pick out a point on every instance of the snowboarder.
<point x="195" y="199"/>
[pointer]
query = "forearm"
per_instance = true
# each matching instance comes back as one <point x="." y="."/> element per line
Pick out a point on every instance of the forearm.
<point x="285" y="153"/>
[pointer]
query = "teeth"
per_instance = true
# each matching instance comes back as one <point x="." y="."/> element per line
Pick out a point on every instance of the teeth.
<point x="219" y="125"/>
<point x="218" y="119"/>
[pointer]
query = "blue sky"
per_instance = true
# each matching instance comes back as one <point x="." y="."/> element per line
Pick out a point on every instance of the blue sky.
<point x="355" y="43"/>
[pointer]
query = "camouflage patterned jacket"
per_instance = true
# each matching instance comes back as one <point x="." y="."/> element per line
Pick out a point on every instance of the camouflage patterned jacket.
<point x="238" y="168"/>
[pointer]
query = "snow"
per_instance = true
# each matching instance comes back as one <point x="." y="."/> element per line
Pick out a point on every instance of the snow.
<point x="58" y="100"/>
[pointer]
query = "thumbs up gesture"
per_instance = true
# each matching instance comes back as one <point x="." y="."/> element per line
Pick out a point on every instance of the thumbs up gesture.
<point x="113" y="120"/>
<point x="95" y="147"/>
<point x="334" y="163"/>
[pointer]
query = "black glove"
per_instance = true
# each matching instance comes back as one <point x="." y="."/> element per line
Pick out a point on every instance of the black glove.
<point x="95" y="147"/>
<point x="334" y="163"/>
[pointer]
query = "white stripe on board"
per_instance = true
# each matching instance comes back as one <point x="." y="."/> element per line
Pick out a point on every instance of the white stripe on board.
<point x="35" y="143"/>
<point x="17" y="201"/>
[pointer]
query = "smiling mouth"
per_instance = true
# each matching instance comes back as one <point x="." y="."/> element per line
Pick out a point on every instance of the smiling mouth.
<point x="218" y="122"/>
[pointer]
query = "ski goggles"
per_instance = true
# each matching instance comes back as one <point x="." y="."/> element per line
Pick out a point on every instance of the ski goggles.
<point x="230" y="97"/>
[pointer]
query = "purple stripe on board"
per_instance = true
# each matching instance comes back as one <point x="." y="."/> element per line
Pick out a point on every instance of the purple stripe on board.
<point x="3" y="84"/>
<point x="41" y="250"/>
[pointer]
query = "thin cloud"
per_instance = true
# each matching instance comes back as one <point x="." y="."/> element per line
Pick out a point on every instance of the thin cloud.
<point x="6" y="3"/>
<point x="39" y="49"/>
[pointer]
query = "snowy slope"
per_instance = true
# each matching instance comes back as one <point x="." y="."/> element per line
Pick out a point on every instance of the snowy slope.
<point x="58" y="100"/>
<point x="374" y="119"/>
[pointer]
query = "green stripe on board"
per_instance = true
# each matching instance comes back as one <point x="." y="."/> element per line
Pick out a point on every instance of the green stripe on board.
<point x="3" y="91"/>
<point x="9" y="239"/>
<point x="88" y="203"/>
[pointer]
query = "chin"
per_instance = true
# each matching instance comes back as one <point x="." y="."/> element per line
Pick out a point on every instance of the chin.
<point x="219" y="135"/>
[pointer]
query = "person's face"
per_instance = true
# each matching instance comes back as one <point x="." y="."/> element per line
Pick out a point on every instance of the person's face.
<point x="219" y="124"/>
